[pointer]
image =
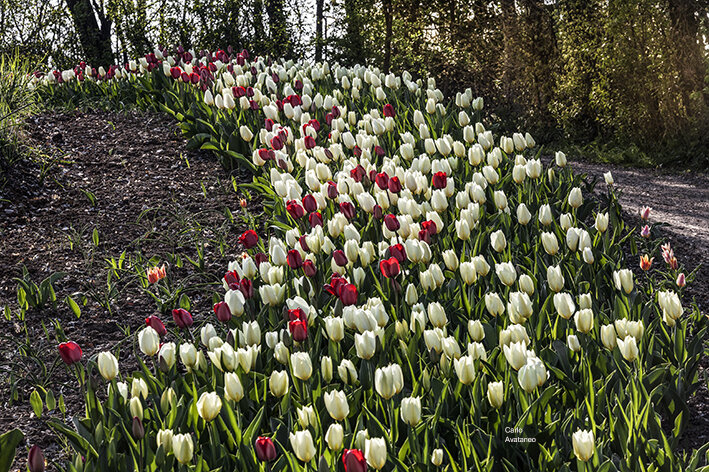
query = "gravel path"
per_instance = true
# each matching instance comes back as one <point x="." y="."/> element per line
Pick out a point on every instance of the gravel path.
<point x="679" y="199"/>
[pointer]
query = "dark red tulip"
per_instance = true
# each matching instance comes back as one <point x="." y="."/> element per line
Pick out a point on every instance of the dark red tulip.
<point x="398" y="251"/>
<point x="394" y="184"/>
<point x="379" y="151"/>
<point x="309" y="142"/>
<point x="266" y="154"/>
<point x="222" y="311"/>
<point x="35" y="459"/>
<point x="260" y="258"/>
<point x="194" y="78"/>
<point x="138" y="430"/>
<point x="358" y="173"/>
<point x="354" y="461"/>
<point x="295" y="209"/>
<point x="269" y="124"/>
<point x="389" y="110"/>
<point x="265" y="450"/>
<point x="303" y="241"/>
<point x="297" y="314"/>
<point x="377" y="212"/>
<point x="157" y="324"/>
<point x="382" y="180"/>
<point x="309" y="203"/>
<point x="70" y="352"/>
<point x="440" y="180"/>
<point x="183" y="318"/>
<point x="309" y="268"/>
<point x="332" y="190"/>
<point x="390" y="267"/>
<point x="425" y="236"/>
<point x="347" y="209"/>
<point x="232" y="278"/>
<point x="295" y="260"/>
<point x="249" y="238"/>
<point x="392" y="222"/>
<point x="430" y="226"/>
<point x="349" y="295"/>
<point x="299" y="330"/>
<point x="276" y="143"/>
<point x="175" y="72"/>
<point x="340" y="257"/>
<point x="315" y="219"/>
<point x="247" y="288"/>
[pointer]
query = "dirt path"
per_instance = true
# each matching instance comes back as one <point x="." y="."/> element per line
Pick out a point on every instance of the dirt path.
<point x="679" y="199"/>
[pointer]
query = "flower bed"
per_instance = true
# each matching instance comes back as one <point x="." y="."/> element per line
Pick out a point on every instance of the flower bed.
<point x="427" y="295"/>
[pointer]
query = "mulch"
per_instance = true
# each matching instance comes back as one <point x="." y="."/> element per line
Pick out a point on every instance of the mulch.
<point x="150" y="195"/>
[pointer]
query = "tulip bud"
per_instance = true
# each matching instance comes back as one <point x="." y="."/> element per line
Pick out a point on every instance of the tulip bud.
<point x="149" y="341"/>
<point x="583" y="445"/>
<point x="437" y="457"/>
<point x="555" y="278"/>
<point x="335" y="436"/>
<point x="410" y="410"/>
<point x="628" y="348"/>
<point x="137" y="429"/>
<point x="107" y="365"/>
<point x="164" y="439"/>
<point x="572" y="341"/>
<point x="495" y="394"/>
<point x="476" y="331"/>
<point x="265" y="449"/>
<point x="278" y="383"/>
<point x="35" y="459"/>
<point x="336" y="404"/>
<point x="608" y="336"/>
<point x="183" y="448"/>
<point x="375" y="450"/>
<point x="302" y="444"/>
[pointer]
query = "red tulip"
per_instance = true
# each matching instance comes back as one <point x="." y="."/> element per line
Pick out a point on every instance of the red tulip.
<point x="231" y="279"/>
<point x="380" y="152"/>
<point x="425" y="236"/>
<point x="260" y="258"/>
<point x="340" y="257"/>
<point x="299" y="330"/>
<point x="349" y="294"/>
<point x="390" y="267"/>
<point x="175" y="72"/>
<point x="276" y="143"/>
<point x="297" y="314"/>
<point x="35" y="459"/>
<point x="309" y="268"/>
<point x="183" y="318"/>
<point x="430" y="226"/>
<point x="354" y="461"/>
<point x="315" y="219"/>
<point x="295" y="209"/>
<point x="249" y="238"/>
<point x="347" y="209"/>
<point x="332" y="190"/>
<point x="222" y="311"/>
<point x="295" y="260"/>
<point x="389" y="110"/>
<point x="70" y="352"/>
<point x="137" y="428"/>
<point x="392" y="222"/>
<point x="155" y="323"/>
<point x="247" y="288"/>
<point x="377" y="212"/>
<point x="382" y="180"/>
<point x="309" y="203"/>
<point x="309" y="142"/>
<point x="358" y="173"/>
<point x="398" y="251"/>
<point x="439" y="180"/>
<point x="394" y="184"/>
<point x="265" y="450"/>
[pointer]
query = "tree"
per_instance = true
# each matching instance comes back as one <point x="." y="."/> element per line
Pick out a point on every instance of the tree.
<point x="95" y="39"/>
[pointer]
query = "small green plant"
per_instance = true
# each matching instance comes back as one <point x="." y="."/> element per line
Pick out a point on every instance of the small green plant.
<point x="33" y="295"/>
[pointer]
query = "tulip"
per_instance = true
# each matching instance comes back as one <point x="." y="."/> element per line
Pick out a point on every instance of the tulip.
<point x="506" y="273"/>
<point x="476" y="331"/>
<point x="681" y="280"/>
<point x="334" y="437"/>
<point x="646" y="262"/>
<point x="137" y="429"/>
<point x="107" y="365"/>
<point x="139" y="388"/>
<point x="375" y="450"/>
<point x="545" y="217"/>
<point x="347" y="372"/>
<point x="555" y="278"/>
<point x="601" y="223"/>
<point x="410" y="410"/>
<point x="608" y="336"/>
<point x="623" y="280"/>
<point x="564" y="304"/>
<point x="437" y="457"/>
<point x="302" y="444"/>
<point x="575" y="197"/>
<point x="155" y="323"/>
<point x="233" y="390"/>
<point x="35" y="459"/>
<point x="584" y="320"/>
<point x="572" y="341"/>
<point x="388" y="381"/>
<point x="326" y="368"/>
<point x="495" y="394"/>
<point x="628" y="348"/>
<point x="526" y="284"/>
<point x="70" y="352"/>
<point x="136" y="407"/>
<point x="550" y="243"/>
<point x="516" y="354"/>
<point x="334" y="327"/>
<point x="209" y="405"/>
<point x="583" y="445"/>
<point x="532" y="374"/>
<point x="498" y="241"/>
<point x="164" y="438"/>
<point x="465" y="369"/>
<point x="354" y="460"/>
<point x="645" y="212"/>
<point x="437" y="315"/>
<point x="182" y="318"/>
<point x="494" y="304"/>
<point x="183" y="448"/>
<point x="167" y="356"/>
<point x="608" y="177"/>
<point x="149" y="341"/>
<point x="336" y="404"/>
<point x="523" y="214"/>
<point x="365" y="344"/>
<point x="265" y="449"/>
<point x="560" y="158"/>
<point x="278" y="383"/>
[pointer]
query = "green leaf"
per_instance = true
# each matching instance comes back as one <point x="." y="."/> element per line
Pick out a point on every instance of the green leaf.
<point x="8" y="445"/>
<point x="74" y="306"/>
<point x="36" y="402"/>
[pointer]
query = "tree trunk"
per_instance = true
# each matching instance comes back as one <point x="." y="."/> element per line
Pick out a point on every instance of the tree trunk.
<point x="319" y="4"/>
<point x="280" y="44"/>
<point x="388" y="34"/>
<point x="95" y="41"/>
<point x="684" y="19"/>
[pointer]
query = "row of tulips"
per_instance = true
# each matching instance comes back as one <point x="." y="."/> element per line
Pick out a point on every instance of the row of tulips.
<point x="429" y="295"/>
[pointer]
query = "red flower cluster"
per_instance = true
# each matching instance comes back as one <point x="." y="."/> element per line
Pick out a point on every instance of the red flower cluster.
<point x="342" y="289"/>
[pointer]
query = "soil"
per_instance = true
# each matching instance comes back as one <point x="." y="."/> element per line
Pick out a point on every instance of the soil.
<point x="150" y="196"/>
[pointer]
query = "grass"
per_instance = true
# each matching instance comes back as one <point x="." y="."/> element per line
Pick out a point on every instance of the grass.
<point x="18" y="100"/>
